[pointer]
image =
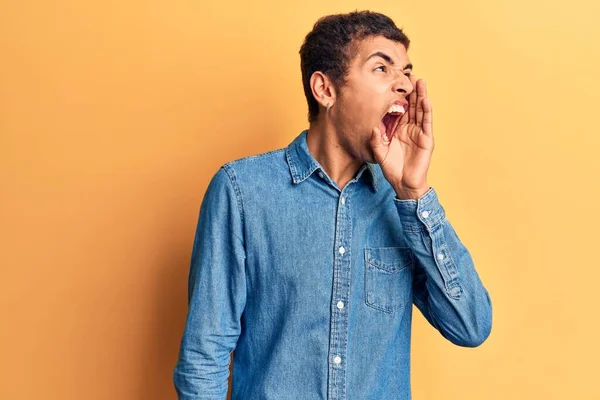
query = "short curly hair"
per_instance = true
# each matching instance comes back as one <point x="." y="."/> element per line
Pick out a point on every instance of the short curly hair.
<point x="331" y="46"/>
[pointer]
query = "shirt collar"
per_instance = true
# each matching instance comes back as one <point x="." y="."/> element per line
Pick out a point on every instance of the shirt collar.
<point x="302" y="164"/>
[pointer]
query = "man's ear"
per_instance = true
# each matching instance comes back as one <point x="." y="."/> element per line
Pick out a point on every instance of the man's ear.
<point x="322" y="89"/>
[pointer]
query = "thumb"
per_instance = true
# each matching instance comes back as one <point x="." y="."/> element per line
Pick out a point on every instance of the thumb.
<point x="379" y="145"/>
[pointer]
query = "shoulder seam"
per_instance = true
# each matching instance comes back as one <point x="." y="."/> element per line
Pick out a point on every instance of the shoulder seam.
<point x="255" y="156"/>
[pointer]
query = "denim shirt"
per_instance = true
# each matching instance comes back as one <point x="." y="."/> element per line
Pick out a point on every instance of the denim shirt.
<point x="312" y="286"/>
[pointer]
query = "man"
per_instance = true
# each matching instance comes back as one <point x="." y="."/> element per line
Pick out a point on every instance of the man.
<point x="307" y="259"/>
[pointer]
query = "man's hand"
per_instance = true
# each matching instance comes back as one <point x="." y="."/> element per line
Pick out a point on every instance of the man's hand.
<point x="405" y="160"/>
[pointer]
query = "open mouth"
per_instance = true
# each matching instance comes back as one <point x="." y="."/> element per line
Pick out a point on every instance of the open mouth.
<point x="390" y="120"/>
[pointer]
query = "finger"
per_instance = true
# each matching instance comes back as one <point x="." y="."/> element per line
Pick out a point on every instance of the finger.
<point x="421" y="95"/>
<point x="404" y="118"/>
<point x="379" y="145"/>
<point x="427" y="117"/>
<point x="412" y="100"/>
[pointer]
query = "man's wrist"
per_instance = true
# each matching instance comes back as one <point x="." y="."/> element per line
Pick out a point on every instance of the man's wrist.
<point x="404" y="193"/>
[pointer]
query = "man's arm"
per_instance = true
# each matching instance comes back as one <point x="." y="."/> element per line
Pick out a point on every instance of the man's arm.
<point x="447" y="289"/>
<point x="216" y="294"/>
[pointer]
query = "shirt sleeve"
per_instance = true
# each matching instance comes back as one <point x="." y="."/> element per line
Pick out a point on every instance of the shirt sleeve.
<point x="446" y="287"/>
<point x="216" y="294"/>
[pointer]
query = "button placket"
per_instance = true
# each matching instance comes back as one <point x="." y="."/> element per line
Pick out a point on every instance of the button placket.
<point x="338" y="340"/>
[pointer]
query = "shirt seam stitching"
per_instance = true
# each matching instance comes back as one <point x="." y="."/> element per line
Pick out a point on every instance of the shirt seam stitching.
<point x="238" y="195"/>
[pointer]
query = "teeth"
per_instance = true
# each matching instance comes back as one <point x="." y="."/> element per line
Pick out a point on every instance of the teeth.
<point x="396" y="108"/>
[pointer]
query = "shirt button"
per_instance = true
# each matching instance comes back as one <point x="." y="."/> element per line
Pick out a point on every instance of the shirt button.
<point x="425" y="214"/>
<point x="343" y="200"/>
<point x="340" y="304"/>
<point x="342" y="250"/>
<point x="440" y="256"/>
<point x="337" y="359"/>
<point x="320" y="174"/>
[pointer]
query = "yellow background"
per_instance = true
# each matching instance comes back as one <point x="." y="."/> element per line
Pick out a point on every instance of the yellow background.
<point x="115" y="114"/>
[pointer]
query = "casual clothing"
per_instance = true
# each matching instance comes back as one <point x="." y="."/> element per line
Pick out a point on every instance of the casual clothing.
<point x="313" y="286"/>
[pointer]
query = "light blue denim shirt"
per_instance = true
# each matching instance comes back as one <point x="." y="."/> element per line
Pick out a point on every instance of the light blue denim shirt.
<point x="313" y="286"/>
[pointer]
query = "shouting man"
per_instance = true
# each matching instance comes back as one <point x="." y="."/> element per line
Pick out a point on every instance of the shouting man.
<point x="307" y="259"/>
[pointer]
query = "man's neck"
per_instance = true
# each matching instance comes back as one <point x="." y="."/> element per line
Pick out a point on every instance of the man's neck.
<point x="325" y="146"/>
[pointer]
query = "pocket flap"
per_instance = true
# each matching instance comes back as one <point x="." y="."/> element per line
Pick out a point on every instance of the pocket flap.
<point x="389" y="258"/>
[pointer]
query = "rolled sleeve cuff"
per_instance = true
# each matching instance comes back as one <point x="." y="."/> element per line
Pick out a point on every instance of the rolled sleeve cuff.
<point x="422" y="213"/>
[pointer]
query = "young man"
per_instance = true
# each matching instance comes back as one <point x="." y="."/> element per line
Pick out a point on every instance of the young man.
<point x="307" y="259"/>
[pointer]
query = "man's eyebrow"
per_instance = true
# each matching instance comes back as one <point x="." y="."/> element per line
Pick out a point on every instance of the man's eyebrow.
<point x="387" y="58"/>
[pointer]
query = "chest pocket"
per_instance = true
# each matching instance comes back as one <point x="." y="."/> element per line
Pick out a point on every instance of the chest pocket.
<point x="388" y="278"/>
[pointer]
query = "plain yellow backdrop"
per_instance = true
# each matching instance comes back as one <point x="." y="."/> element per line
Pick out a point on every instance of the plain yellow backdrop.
<point x="114" y="116"/>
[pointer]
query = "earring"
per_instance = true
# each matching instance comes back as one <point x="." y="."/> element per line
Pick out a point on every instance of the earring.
<point x="329" y="107"/>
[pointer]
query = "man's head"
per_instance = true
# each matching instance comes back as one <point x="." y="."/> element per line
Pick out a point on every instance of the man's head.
<point x="358" y="64"/>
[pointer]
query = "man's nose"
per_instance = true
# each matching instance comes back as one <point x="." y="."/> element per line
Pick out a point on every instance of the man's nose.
<point x="403" y="84"/>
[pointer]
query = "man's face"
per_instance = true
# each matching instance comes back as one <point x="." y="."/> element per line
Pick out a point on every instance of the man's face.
<point x="377" y="78"/>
